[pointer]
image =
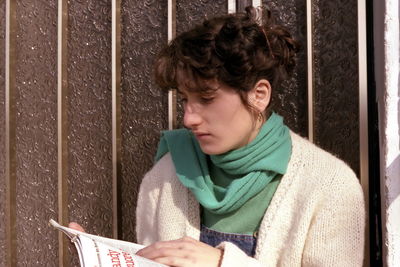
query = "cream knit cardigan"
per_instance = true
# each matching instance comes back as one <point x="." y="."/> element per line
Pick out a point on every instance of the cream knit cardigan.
<point x="316" y="217"/>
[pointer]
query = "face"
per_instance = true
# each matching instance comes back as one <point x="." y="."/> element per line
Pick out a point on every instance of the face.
<point x="219" y="120"/>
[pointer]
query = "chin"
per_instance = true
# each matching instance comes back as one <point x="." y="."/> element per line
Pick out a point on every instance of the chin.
<point x="212" y="150"/>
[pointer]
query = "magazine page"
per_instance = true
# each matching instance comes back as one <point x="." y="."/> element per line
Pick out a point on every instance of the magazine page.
<point x="120" y="244"/>
<point x="97" y="251"/>
<point x="98" y="254"/>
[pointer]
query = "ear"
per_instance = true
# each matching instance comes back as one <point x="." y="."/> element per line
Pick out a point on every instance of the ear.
<point x="260" y="96"/>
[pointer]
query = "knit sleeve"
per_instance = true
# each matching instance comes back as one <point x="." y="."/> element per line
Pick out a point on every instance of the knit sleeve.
<point x="146" y="210"/>
<point x="336" y="233"/>
<point x="233" y="256"/>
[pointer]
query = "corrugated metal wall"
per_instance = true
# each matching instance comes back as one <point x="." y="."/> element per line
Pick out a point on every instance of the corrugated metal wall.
<point x="30" y="126"/>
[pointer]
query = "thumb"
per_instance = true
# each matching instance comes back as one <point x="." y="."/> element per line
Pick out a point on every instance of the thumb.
<point x="76" y="226"/>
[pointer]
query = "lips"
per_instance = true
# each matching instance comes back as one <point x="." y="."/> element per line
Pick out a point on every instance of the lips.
<point x="201" y="135"/>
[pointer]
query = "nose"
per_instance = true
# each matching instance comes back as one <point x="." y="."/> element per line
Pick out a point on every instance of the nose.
<point x="191" y="117"/>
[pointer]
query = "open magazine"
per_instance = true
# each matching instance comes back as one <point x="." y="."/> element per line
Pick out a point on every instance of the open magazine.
<point x="98" y="251"/>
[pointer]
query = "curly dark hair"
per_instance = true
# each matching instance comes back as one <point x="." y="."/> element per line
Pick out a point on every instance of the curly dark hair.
<point x="236" y="49"/>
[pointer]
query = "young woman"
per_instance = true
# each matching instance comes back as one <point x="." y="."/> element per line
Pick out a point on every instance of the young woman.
<point x="236" y="187"/>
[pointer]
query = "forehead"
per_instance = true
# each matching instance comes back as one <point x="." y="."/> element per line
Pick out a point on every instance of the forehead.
<point x="199" y="86"/>
<point x="186" y="79"/>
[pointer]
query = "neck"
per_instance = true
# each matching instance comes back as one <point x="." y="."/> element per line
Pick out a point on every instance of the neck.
<point x="257" y="127"/>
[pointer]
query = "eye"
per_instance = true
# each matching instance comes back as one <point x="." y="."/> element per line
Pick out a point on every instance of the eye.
<point x="182" y="98"/>
<point x="206" y="100"/>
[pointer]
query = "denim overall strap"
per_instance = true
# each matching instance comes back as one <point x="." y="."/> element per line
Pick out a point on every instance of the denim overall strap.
<point x="247" y="243"/>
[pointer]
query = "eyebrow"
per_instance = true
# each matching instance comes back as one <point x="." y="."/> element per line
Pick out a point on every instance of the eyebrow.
<point x="178" y="91"/>
<point x="207" y="90"/>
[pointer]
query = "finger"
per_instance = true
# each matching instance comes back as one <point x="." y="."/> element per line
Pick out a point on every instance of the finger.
<point x="76" y="226"/>
<point x="188" y="239"/>
<point x="166" y="248"/>
<point x="176" y="261"/>
<point x="195" y="242"/>
<point x="167" y="252"/>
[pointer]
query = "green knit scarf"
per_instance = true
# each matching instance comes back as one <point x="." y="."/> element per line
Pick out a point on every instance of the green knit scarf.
<point x="256" y="165"/>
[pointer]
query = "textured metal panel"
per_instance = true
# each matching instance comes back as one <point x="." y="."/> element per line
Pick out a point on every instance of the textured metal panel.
<point x="10" y="125"/>
<point x="290" y="100"/>
<point x="89" y="116"/>
<point x="336" y="79"/>
<point x="2" y="135"/>
<point x="143" y="105"/>
<point x="36" y="132"/>
<point x="190" y="13"/>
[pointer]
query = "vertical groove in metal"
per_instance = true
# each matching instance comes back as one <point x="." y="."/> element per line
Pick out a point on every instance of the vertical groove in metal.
<point x="363" y="113"/>
<point x="116" y="111"/>
<point x="62" y="87"/>
<point x="231" y="6"/>
<point x="242" y="4"/>
<point x="172" y="121"/>
<point x="11" y="238"/>
<point x="310" y="71"/>
<point x="172" y="116"/>
<point x="256" y="3"/>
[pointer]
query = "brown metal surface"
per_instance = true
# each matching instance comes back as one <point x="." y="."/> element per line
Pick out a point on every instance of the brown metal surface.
<point x="90" y="117"/>
<point x="36" y="130"/>
<point x="290" y="100"/>
<point x="143" y="105"/>
<point x="2" y="133"/>
<point x="10" y="168"/>
<point x="336" y="88"/>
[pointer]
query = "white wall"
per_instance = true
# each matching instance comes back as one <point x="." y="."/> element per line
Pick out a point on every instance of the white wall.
<point x="386" y="35"/>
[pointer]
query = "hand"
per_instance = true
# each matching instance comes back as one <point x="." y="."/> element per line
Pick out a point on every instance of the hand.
<point x="76" y="226"/>
<point x="182" y="252"/>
